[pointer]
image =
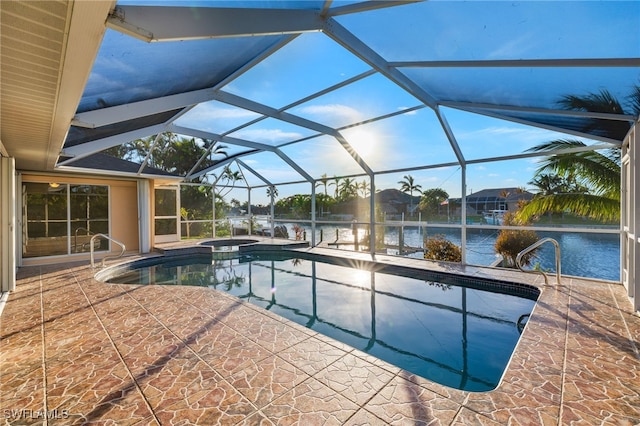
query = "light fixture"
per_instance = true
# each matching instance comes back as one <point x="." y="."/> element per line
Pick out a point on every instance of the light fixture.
<point x="54" y="184"/>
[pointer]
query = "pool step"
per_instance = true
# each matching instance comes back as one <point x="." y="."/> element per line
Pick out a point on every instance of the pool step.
<point x="244" y="246"/>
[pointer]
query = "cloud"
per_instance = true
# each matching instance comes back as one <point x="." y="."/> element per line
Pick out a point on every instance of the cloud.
<point x="213" y="117"/>
<point x="279" y="174"/>
<point x="333" y="111"/>
<point x="208" y="110"/>
<point x="521" y="133"/>
<point x="270" y="136"/>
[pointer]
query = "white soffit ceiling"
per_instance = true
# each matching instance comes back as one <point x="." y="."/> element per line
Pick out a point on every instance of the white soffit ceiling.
<point x="47" y="51"/>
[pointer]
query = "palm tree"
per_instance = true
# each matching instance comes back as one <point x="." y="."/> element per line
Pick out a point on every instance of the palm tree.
<point x="364" y="187"/>
<point x="607" y="103"/>
<point x="597" y="173"/>
<point x="272" y="191"/>
<point x="547" y="184"/>
<point x="348" y="189"/>
<point x="591" y="179"/>
<point x="336" y="183"/>
<point x="228" y="177"/>
<point x="324" y="181"/>
<point x="407" y="185"/>
<point x="431" y="199"/>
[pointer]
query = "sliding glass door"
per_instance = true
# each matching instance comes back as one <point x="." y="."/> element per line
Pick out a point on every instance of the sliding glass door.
<point x="60" y="219"/>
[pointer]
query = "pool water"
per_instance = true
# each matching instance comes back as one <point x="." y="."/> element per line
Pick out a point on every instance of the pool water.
<point x="458" y="336"/>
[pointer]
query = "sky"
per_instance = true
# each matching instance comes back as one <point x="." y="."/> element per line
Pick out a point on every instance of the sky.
<point x="313" y="61"/>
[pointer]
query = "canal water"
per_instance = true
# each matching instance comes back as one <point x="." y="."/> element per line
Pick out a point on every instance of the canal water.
<point x="582" y="254"/>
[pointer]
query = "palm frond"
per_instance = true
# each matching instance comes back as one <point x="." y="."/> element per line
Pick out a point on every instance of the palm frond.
<point x="634" y="101"/>
<point x="599" y="172"/>
<point x="605" y="102"/>
<point x="587" y="205"/>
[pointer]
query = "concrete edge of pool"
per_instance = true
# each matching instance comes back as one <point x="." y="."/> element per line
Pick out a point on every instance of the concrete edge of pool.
<point x="576" y="362"/>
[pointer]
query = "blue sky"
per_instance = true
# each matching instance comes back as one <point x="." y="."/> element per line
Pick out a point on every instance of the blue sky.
<point x="404" y="141"/>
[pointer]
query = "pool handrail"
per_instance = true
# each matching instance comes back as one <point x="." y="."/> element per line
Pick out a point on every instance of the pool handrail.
<point x="535" y="246"/>
<point x="107" y="256"/>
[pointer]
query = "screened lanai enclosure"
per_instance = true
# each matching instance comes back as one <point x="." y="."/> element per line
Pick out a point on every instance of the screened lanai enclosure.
<point x="371" y="125"/>
<point x="332" y="118"/>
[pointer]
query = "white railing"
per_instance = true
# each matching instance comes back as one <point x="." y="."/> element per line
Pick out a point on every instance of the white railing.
<point x="535" y="246"/>
<point x="107" y="256"/>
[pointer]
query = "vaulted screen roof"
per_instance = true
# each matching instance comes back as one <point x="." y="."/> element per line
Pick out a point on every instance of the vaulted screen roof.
<point x="348" y="88"/>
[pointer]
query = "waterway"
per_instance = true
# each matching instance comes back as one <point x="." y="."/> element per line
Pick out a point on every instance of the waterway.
<point x="582" y="254"/>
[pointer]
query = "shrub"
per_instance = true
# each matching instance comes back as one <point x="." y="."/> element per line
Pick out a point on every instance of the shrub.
<point x="439" y="248"/>
<point x="510" y="242"/>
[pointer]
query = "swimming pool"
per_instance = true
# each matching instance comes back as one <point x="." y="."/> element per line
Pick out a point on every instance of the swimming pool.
<point x="452" y="330"/>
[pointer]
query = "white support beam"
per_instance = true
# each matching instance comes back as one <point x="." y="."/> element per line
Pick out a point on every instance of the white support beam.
<point x="201" y="159"/>
<point x="634" y="211"/>
<point x="169" y="23"/>
<point x="360" y="123"/>
<point x="372" y="215"/>
<point x="240" y="102"/>
<point x="240" y="142"/>
<point x="354" y="154"/>
<point x="151" y="148"/>
<point x="3" y="150"/>
<point x="244" y="103"/>
<point x="522" y="63"/>
<point x="221" y="138"/>
<point x="105" y="116"/>
<point x="218" y="165"/>
<point x="541" y="154"/>
<point x="306" y="99"/>
<point x="450" y="136"/>
<point x="472" y="107"/>
<point x="255" y="173"/>
<point x="364" y="6"/>
<point x="546" y="127"/>
<point x="8" y="226"/>
<point x="350" y="42"/>
<point x="88" y="148"/>
<point x="294" y="166"/>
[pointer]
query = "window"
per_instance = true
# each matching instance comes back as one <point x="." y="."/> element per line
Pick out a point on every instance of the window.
<point x="166" y="213"/>
<point x="59" y="219"/>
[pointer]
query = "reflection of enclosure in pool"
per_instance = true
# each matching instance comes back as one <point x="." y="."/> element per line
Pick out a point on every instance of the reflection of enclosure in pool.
<point x="447" y="329"/>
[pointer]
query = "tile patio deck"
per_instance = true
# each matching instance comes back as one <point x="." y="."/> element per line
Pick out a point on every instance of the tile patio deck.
<point x="85" y="352"/>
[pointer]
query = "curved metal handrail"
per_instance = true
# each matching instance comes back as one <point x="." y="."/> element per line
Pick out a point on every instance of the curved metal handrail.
<point x="75" y="237"/>
<point x="107" y="256"/>
<point x="535" y="246"/>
